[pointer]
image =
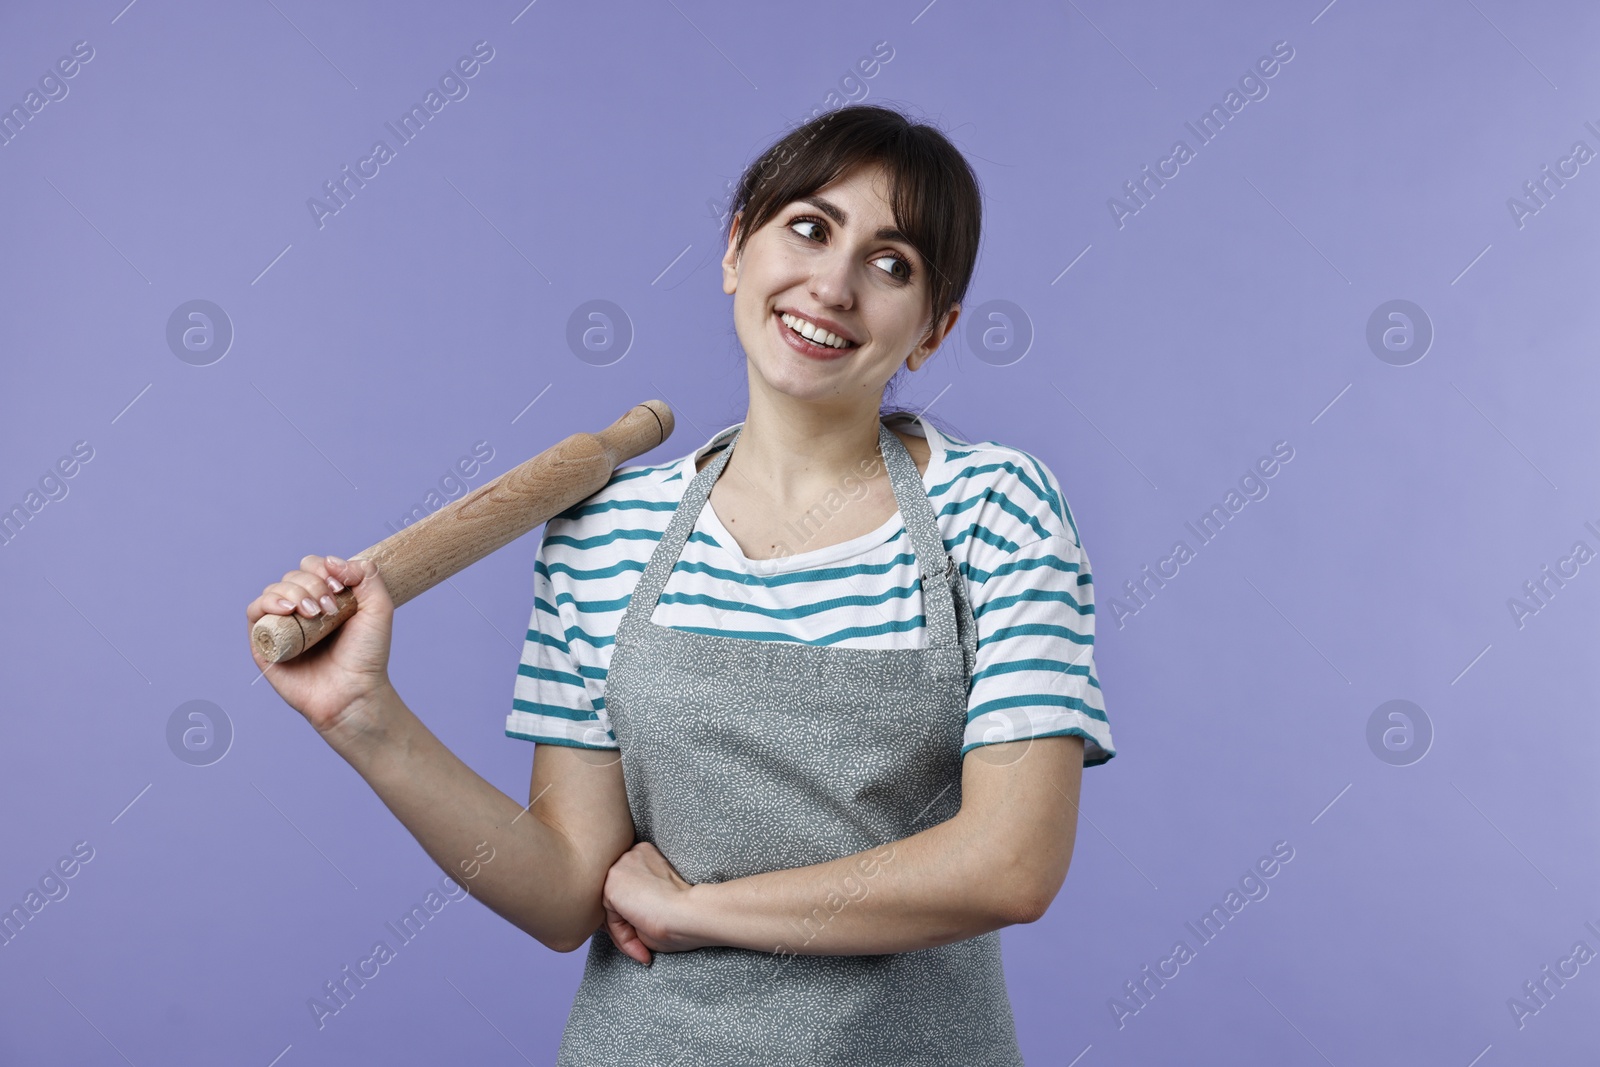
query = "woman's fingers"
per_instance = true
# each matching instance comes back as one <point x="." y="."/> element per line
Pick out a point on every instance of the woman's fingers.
<point x="283" y="598"/>
<point x="626" y="937"/>
<point x="268" y="603"/>
<point x="322" y="574"/>
<point x="348" y="571"/>
<point x="310" y="592"/>
<point x="307" y="592"/>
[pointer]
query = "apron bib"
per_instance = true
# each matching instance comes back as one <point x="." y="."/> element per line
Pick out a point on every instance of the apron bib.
<point x="743" y="756"/>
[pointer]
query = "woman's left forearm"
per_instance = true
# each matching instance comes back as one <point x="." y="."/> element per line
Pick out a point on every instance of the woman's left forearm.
<point x="948" y="883"/>
<point x="999" y="860"/>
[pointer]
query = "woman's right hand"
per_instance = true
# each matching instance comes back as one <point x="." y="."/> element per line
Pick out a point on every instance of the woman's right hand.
<point x="334" y="683"/>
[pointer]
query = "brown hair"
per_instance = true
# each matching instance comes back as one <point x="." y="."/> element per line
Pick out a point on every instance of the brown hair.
<point x="934" y="193"/>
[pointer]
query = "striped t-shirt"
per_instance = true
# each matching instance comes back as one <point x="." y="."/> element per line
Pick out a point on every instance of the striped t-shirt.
<point x="1001" y="514"/>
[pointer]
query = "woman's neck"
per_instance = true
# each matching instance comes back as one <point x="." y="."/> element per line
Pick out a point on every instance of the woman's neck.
<point x="797" y="454"/>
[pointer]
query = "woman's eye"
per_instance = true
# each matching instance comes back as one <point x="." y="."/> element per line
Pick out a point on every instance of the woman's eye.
<point x="805" y="222"/>
<point x="904" y="271"/>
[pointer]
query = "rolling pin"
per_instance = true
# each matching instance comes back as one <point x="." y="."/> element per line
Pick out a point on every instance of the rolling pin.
<point x="459" y="534"/>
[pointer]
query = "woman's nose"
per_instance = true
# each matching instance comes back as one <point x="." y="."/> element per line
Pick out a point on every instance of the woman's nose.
<point x="832" y="283"/>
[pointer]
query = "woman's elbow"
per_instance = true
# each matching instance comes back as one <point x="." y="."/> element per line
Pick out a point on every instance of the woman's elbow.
<point x="562" y="924"/>
<point x="572" y="911"/>
<point x="565" y="944"/>
<point x="564" y="936"/>
<point x="1028" y="892"/>
<point x="1029" y="907"/>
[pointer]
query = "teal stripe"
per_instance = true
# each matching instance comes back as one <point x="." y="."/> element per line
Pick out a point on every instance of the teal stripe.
<point x="597" y="572"/>
<point x="627" y="534"/>
<point x="640" y="472"/>
<point x="984" y="534"/>
<point x="1036" y="630"/>
<point x="1061" y="596"/>
<point x="554" y="711"/>
<point x="1035" y="700"/>
<point x="578" y="633"/>
<point x="836" y="636"/>
<point x="814" y="574"/>
<point x="801" y="612"/>
<point x="817" y="574"/>
<point x="1050" y="560"/>
<point x="593" y="607"/>
<point x="603" y="539"/>
<point x="545" y="674"/>
<point x="1036" y="664"/>
<point x="539" y="637"/>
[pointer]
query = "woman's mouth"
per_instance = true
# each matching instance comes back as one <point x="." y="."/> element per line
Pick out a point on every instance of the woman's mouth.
<point x="813" y="349"/>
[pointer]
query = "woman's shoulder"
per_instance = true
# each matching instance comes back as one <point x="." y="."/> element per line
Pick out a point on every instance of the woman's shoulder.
<point x="991" y="492"/>
<point x="639" y="497"/>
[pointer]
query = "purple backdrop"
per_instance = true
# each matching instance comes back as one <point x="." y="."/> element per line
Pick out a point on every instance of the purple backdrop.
<point x="1377" y="259"/>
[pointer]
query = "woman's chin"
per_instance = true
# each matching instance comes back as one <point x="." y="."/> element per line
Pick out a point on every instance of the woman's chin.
<point x="798" y="379"/>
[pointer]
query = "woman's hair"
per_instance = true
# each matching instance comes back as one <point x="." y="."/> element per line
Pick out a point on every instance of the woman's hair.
<point x="934" y="193"/>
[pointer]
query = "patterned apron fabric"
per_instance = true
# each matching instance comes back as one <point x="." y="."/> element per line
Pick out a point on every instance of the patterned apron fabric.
<point x="743" y="756"/>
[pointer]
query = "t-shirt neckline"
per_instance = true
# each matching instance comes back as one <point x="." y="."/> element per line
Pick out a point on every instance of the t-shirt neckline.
<point x="856" y="546"/>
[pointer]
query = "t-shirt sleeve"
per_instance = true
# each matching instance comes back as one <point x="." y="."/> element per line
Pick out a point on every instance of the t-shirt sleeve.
<point x="550" y="702"/>
<point x="1034" y="675"/>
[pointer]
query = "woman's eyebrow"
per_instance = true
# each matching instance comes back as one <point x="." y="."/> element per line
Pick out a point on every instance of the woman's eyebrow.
<point x="834" y="212"/>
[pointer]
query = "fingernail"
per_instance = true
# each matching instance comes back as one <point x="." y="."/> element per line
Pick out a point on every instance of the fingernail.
<point x="333" y="583"/>
<point x="309" y="606"/>
<point x="330" y="605"/>
<point x="286" y="605"/>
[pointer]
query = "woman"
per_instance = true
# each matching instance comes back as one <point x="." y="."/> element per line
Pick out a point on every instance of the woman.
<point x="812" y="732"/>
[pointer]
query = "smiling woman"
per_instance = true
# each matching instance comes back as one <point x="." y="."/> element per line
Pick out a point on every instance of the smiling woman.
<point x="811" y="702"/>
<point x="933" y="198"/>
<point x="787" y="722"/>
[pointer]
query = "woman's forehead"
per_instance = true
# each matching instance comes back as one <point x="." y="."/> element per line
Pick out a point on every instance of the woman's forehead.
<point x="855" y="203"/>
<point x="870" y="179"/>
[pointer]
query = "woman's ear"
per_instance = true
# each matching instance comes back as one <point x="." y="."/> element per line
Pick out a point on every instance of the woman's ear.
<point x="933" y="338"/>
<point x="730" y="259"/>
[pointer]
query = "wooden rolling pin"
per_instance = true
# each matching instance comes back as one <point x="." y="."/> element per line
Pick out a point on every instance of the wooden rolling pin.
<point x="459" y="534"/>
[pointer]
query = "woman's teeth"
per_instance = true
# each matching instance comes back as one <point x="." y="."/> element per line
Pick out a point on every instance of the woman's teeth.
<point x="814" y="334"/>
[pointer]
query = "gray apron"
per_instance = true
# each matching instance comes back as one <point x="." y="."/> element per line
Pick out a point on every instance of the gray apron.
<point x="743" y="756"/>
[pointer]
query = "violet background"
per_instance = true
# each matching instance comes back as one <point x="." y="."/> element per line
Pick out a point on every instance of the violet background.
<point x="586" y="163"/>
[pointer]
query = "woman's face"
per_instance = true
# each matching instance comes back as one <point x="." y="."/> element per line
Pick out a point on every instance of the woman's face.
<point x="835" y="260"/>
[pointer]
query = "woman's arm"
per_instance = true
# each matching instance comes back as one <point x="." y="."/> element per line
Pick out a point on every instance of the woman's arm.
<point x="542" y="867"/>
<point x="1000" y="860"/>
